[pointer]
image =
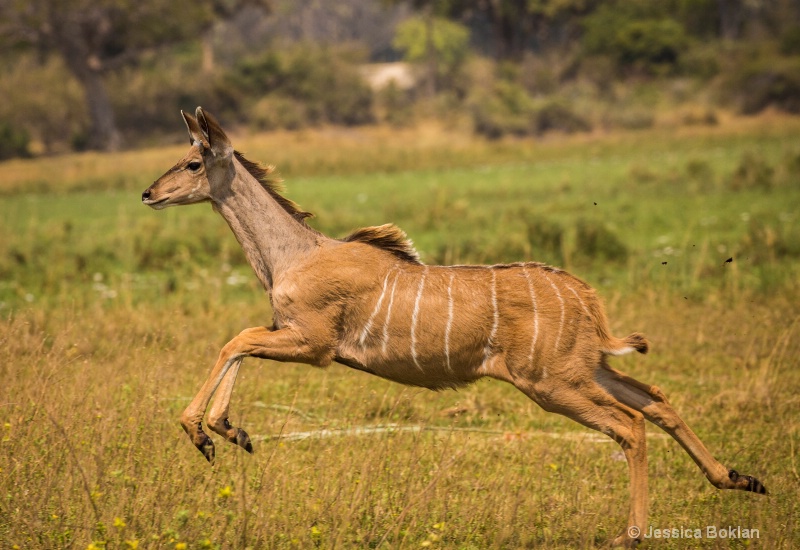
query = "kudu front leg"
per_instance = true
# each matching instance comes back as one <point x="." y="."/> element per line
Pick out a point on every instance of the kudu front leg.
<point x="218" y="415"/>
<point x="285" y="344"/>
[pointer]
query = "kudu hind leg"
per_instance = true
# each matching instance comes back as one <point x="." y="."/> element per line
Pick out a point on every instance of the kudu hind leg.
<point x="218" y="415"/>
<point x="653" y="404"/>
<point x="591" y="406"/>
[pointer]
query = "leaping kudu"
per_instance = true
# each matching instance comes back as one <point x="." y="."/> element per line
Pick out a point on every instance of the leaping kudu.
<point x="367" y="301"/>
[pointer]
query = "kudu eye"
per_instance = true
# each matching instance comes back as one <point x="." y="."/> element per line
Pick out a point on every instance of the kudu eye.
<point x="194" y="166"/>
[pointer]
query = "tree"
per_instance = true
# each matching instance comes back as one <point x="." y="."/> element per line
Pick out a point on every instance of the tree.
<point x="514" y="25"/>
<point x="440" y="43"/>
<point x="95" y="37"/>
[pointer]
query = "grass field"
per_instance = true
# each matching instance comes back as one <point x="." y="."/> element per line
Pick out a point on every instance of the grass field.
<point x="112" y="314"/>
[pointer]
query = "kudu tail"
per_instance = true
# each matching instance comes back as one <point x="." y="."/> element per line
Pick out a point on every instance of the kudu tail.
<point x="611" y="345"/>
<point x="621" y="346"/>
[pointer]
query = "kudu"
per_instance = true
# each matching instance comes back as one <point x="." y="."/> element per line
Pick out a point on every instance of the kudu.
<point x="367" y="301"/>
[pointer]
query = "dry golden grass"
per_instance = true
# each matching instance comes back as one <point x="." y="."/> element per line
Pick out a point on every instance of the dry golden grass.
<point x="93" y="451"/>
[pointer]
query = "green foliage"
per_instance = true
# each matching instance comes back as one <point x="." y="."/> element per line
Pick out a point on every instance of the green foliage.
<point x="790" y="41"/>
<point x="767" y="82"/>
<point x="651" y="45"/>
<point x="41" y="99"/>
<point x="395" y="105"/>
<point x="509" y="109"/>
<point x="596" y="241"/>
<point x="13" y="142"/>
<point x="443" y="40"/>
<point x="303" y="86"/>
<point x="556" y="114"/>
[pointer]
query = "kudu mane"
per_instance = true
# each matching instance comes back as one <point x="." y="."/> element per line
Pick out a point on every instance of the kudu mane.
<point x="387" y="237"/>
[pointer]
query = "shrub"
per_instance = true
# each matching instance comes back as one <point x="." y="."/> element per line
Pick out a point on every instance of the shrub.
<point x="770" y="241"/>
<point x="450" y="42"/>
<point x="557" y="115"/>
<point x="316" y="84"/>
<point x="396" y="105"/>
<point x="41" y="101"/>
<point x="277" y="111"/>
<point x="700" y="61"/>
<point x="506" y="109"/>
<point x="753" y="172"/>
<point x="594" y="240"/>
<point x="774" y="82"/>
<point x="790" y="41"/>
<point x="653" y="45"/>
<point x="13" y="142"/>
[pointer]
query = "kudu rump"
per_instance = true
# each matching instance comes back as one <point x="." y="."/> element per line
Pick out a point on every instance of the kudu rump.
<point x="367" y="301"/>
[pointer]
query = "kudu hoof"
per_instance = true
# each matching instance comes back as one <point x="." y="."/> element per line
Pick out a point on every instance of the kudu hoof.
<point x="747" y="483"/>
<point x="242" y="440"/>
<point x="206" y="446"/>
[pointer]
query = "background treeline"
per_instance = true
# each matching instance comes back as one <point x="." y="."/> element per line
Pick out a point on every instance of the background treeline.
<point x="103" y="74"/>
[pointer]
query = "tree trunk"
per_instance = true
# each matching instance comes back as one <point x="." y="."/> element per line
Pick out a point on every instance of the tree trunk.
<point x="731" y="14"/>
<point x="207" y="44"/>
<point x="103" y="132"/>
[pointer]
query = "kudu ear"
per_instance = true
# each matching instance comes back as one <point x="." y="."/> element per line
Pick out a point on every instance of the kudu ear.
<point x="195" y="133"/>
<point x="214" y="134"/>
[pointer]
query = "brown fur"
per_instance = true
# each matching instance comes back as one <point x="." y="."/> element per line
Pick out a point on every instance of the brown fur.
<point x="388" y="237"/>
<point x="367" y="302"/>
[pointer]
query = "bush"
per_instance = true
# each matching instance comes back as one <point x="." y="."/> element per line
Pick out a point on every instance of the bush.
<point x="317" y="85"/>
<point x="773" y="82"/>
<point x="13" y="142"/>
<point x="508" y="109"/>
<point x="648" y="44"/>
<point x="450" y="42"/>
<point x="651" y="44"/>
<point x="753" y="173"/>
<point x="790" y="41"/>
<point x="595" y="241"/>
<point x="557" y="115"/>
<point x="770" y="241"/>
<point x="41" y="101"/>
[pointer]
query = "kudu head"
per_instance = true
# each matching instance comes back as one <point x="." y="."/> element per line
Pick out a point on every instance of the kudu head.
<point x="204" y="174"/>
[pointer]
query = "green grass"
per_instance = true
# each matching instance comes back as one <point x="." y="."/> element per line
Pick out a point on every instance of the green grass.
<point x="112" y="315"/>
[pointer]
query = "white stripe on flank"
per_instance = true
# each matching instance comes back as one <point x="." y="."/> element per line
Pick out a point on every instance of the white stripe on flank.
<point x="585" y="309"/>
<point x="535" y="315"/>
<point x="495" y="320"/>
<point x="560" y="299"/>
<point x="415" y="318"/>
<point x="388" y="315"/>
<point x="449" y="321"/>
<point x="368" y="326"/>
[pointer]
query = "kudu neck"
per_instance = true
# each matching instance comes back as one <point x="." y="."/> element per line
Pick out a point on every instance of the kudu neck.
<point x="272" y="240"/>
